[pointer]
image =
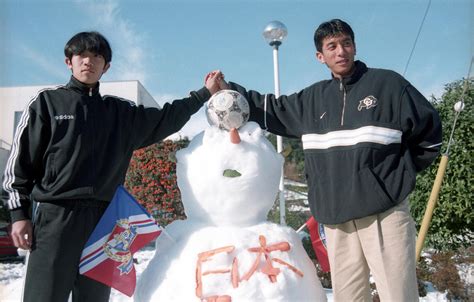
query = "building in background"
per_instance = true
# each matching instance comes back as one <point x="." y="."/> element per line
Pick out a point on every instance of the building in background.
<point x="13" y="100"/>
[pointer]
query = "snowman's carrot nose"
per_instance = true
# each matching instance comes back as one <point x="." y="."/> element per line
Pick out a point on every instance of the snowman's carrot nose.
<point x="234" y="136"/>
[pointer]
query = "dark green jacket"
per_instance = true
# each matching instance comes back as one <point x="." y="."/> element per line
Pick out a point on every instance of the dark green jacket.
<point x="364" y="138"/>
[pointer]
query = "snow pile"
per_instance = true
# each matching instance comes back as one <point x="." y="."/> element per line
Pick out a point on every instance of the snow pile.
<point x="226" y="247"/>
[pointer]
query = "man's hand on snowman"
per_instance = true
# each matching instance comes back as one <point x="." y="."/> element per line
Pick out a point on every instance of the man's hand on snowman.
<point x="214" y="81"/>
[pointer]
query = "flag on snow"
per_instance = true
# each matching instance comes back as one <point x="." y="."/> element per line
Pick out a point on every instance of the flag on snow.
<point x="124" y="228"/>
<point x="318" y="240"/>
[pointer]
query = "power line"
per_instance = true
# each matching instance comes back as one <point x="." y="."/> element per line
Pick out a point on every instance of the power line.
<point x="417" y="36"/>
<point x="467" y="80"/>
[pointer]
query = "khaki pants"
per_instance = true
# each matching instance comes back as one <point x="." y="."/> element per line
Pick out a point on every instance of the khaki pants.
<point x="382" y="244"/>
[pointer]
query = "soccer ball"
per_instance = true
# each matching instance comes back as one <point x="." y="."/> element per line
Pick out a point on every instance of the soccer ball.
<point x="227" y="109"/>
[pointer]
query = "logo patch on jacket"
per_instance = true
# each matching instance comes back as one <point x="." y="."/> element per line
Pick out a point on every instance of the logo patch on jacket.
<point x="367" y="103"/>
<point x="64" y="117"/>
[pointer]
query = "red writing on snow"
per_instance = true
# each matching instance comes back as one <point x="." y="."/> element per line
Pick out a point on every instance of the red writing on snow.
<point x="267" y="268"/>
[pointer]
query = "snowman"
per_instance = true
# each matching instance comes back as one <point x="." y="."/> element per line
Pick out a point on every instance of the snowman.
<point x="226" y="250"/>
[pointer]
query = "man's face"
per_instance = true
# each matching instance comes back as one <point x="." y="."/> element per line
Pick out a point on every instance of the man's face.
<point x="87" y="67"/>
<point x="338" y="54"/>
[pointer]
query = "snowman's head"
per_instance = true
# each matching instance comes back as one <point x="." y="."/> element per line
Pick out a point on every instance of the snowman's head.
<point x="228" y="183"/>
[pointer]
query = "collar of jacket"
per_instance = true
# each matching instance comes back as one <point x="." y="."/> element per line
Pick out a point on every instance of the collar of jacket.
<point x="360" y="69"/>
<point x="82" y="88"/>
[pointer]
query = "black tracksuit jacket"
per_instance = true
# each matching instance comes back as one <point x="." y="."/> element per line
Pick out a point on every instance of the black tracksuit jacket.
<point x="72" y="143"/>
<point x="364" y="139"/>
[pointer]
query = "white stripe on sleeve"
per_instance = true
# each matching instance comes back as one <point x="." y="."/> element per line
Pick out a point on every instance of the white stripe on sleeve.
<point x="343" y="138"/>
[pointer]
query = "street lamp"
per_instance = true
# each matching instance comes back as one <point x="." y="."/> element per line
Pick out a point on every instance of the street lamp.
<point x="274" y="33"/>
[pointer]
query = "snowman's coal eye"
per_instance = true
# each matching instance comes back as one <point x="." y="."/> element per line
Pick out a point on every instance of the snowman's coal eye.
<point x="231" y="173"/>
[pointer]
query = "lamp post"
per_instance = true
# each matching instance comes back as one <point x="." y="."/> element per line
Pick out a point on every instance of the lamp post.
<point x="274" y="33"/>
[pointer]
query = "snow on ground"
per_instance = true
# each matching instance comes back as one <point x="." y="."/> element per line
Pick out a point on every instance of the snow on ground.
<point x="11" y="281"/>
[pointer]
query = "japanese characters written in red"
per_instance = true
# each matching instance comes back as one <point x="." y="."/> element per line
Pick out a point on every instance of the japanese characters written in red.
<point x="267" y="268"/>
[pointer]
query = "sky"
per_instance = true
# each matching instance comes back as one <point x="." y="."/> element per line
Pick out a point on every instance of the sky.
<point x="170" y="45"/>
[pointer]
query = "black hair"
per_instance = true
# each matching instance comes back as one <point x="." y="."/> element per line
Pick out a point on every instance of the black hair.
<point x="332" y="28"/>
<point x="88" y="41"/>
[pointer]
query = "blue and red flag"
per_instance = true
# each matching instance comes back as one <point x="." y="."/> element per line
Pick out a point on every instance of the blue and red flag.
<point x="318" y="240"/>
<point x="124" y="228"/>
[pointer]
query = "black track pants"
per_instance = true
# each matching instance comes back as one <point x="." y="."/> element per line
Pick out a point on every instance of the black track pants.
<point x="60" y="233"/>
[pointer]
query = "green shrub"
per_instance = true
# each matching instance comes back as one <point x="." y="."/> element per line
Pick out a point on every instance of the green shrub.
<point x="452" y="224"/>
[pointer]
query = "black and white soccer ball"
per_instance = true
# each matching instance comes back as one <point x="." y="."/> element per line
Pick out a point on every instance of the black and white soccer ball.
<point x="227" y="109"/>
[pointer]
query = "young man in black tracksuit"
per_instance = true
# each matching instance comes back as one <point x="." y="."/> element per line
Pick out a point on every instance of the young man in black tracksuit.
<point x="366" y="133"/>
<point x="71" y="150"/>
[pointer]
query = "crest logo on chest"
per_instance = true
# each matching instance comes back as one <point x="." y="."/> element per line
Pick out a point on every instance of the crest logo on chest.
<point x="367" y="103"/>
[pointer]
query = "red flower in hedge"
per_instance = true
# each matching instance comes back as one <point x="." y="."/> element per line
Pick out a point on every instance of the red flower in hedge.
<point x="151" y="178"/>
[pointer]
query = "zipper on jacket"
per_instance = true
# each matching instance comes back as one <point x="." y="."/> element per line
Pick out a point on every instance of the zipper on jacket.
<point x="90" y="91"/>
<point x="343" y="89"/>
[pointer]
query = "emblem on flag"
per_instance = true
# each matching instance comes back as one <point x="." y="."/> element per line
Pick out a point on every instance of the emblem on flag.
<point x="118" y="248"/>
<point x="124" y="228"/>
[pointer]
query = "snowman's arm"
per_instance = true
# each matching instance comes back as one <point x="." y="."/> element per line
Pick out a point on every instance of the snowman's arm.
<point x="168" y="236"/>
<point x="164" y="242"/>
